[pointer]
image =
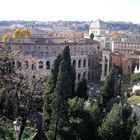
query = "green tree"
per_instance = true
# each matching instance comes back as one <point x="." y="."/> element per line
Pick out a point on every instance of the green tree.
<point x="135" y="133"/>
<point x="116" y="125"/>
<point x="82" y="88"/>
<point x="109" y="87"/>
<point x="70" y="70"/>
<point x="83" y="120"/>
<point x="61" y="88"/>
<point x="60" y="106"/>
<point x="135" y="78"/>
<point x="49" y="90"/>
<point x="91" y="36"/>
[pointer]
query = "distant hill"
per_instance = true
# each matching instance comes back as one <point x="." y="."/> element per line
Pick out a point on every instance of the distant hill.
<point x="129" y="26"/>
<point x="78" y="26"/>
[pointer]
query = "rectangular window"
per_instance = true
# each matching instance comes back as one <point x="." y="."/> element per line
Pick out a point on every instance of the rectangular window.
<point x="41" y="54"/>
<point x="46" y="54"/>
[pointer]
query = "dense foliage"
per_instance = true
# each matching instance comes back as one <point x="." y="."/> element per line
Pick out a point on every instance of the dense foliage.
<point x="69" y="114"/>
<point x="135" y="78"/>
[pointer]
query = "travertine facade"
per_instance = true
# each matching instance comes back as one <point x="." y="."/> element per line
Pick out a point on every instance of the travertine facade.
<point x="39" y="54"/>
<point x="125" y="47"/>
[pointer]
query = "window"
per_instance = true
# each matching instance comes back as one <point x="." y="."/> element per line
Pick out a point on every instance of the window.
<point x="46" y="54"/>
<point x="41" y="54"/>
<point x="47" y="65"/>
<point x="26" y="64"/>
<point x="9" y="47"/>
<point x="32" y="53"/>
<point x="84" y="75"/>
<point x="79" y="64"/>
<point x="79" y="77"/>
<point x="28" y="47"/>
<point x="84" y="63"/>
<point x="82" y="52"/>
<point x="89" y="62"/>
<point x="40" y="64"/>
<point x="33" y="67"/>
<point x="19" y="65"/>
<point x="74" y="63"/>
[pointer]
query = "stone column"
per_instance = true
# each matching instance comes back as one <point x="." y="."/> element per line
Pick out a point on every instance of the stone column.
<point x="103" y="67"/>
<point x="108" y="64"/>
<point x="139" y="64"/>
<point x="106" y="54"/>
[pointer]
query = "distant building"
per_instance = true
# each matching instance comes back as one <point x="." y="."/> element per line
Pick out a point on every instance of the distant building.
<point x="125" y="47"/>
<point x="100" y="31"/>
<point x="39" y="54"/>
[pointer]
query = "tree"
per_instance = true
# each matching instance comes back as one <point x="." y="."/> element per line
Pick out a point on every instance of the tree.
<point x="61" y="88"/>
<point x="50" y="86"/>
<point x="135" y="77"/>
<point x="60" y="106"/>
<point x="82" y="88"/>
<point x="6" y="37"/>
<point x="109" y="87"/>
<point x="70" y="70"/>
<point x="135" y="133"/>
<point x="21" y="33"/>
<point x="7" y="78"/>
<point x="83" y="120"/>
<point x="92" y="36"/>
<point x="116" y="125"/>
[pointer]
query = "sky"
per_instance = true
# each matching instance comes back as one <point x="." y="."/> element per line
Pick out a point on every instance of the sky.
<point x="82" y="10"/>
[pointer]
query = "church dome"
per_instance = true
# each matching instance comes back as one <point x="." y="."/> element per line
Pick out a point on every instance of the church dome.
<point x="98" y="24"/>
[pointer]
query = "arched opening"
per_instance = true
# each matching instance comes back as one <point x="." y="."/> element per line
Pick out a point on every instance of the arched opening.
<point x="40" y="64"/>
<point x="26" y="64"/>
<point x="47" y="65"/>
<point x="84" y="75"/>
<point x="74" y="63"/>
<point x="89" y="63"/>
<point x="19" y="65"/>
<point x="79" y="64"/>
<point x="106" y="61"/>
<point x="89" y="76"/>
<point x="79" y="77"/>
<point x="84" y="63"/>
<point x="33" y="67"/>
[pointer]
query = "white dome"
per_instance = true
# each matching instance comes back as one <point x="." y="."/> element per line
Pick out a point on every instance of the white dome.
<point x="98" y="24"/>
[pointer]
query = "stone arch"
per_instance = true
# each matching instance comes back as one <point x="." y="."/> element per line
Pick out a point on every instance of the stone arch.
<point x="33" y="66"/>
<point x="79" y="63"/>
<point x="89" y="62"/>
<point x="79" y="77"/>
<point x="26" y="64"/>
<point x="106" y="62"/>
<point x="48" y="65"/>
<point x="84" y="63"/>
<point x="19" y="65"/>
<point x="84" y="75"/>
<point x="40" y="65"/>
<point x="89" y="76"/>
<point x="74" y="63"/>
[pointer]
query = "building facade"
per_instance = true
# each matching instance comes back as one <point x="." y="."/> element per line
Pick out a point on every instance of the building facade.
<point x="125" y="47"/>
<point x="36" y="55"/>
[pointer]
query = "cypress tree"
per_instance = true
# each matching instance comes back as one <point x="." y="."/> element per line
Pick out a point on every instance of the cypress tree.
<point x="116" y="125"/>
<point x="61" y="94"/>
<point x="70" y="69"/>
<point x="82" y="89"/>
<point x="60" y="87"/>
<point x="51" y="83"/>
<point x="135" y="135"/>
<point x="109" y="87"/>
<point x="63" y="91"/>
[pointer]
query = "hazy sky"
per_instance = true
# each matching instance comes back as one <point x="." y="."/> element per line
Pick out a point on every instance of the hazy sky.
<point x="45" y="10"/>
